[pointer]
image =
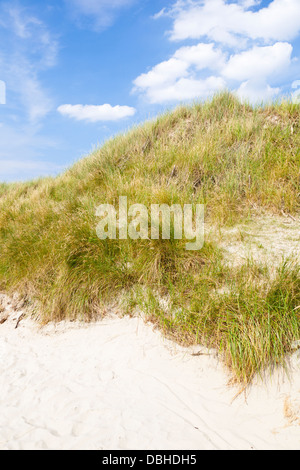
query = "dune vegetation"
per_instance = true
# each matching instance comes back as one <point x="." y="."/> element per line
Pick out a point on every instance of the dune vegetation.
<point x="238" y="160"/>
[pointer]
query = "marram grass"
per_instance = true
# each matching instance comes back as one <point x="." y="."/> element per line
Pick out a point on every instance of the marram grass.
<point x="237" y="160"/>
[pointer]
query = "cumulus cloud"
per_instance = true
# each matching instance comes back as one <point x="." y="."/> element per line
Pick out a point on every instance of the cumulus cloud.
<point x="221" y="21"/>
<point x="244" y="47"/>
<point x="256" y="92"/>
<point x="259" y="62"/>
<point x="164" y="73"/>
<point x="176" y="79"/>
<point x="185" y="89"/>
<point x="99" y="13"/>
<point x="91" y="113"/>
<point x="202" y="56"/>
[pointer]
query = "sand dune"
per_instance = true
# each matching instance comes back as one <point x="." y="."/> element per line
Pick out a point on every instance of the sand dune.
<point x="119" y="384"/>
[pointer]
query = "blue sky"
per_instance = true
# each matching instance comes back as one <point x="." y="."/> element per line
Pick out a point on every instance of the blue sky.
<point x="77" y="72"/>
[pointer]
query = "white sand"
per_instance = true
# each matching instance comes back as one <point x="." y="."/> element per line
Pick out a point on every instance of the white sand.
<point x="118" y="385"/>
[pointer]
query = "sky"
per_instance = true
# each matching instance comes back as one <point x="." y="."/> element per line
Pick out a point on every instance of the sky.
<point x="74" y="73"/>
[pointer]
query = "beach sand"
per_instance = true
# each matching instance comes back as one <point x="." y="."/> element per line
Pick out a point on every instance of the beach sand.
<point x="119" y="385"/>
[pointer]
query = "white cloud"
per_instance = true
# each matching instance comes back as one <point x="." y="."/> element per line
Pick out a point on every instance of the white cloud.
<point x="92" y="113"/>
<point x="164" y="73"/>
<point x="256" y="92"/>
<point x="185" y="89"/>
<point x="202" y="56"/>
<point x="243" y="45"/>
<point x="177" y="78"/>
<point x="221" y="21"/>
<point x="100" y="13"/>
<point x="259" y="62"/>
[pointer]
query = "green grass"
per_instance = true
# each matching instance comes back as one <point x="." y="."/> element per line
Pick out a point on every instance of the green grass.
<point x="235" y="159"/>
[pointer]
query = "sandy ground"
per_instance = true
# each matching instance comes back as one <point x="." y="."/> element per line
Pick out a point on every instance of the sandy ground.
<point x="265" y="239"/>
<point x="119" y="385"/>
